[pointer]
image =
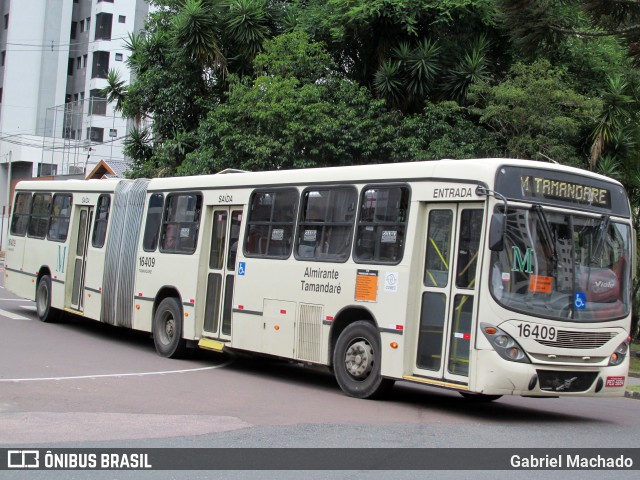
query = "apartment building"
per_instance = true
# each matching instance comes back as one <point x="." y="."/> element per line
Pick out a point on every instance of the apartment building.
<point x="54" y="59"/>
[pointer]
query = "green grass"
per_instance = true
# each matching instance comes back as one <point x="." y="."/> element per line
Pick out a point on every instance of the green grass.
<point x="635" y="360"/>
<point x="633" y="388"/>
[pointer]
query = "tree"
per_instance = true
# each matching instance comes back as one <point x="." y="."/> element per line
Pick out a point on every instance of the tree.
<point x="472" y="67"/>
<point x="536" y="114"/>
<point x="614" y="121"/>
<point x="196" y="33"/>
<point x="295" y="115"/>
<point x="538" y="24"/>
<point x="181" y="62"/>
<point x="441" y="130"/>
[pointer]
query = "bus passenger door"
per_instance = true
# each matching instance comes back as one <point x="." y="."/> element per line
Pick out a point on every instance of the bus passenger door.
<point x="225" y="233"/>
<point x="80" y="258"/>
<point x="449" y="291"/>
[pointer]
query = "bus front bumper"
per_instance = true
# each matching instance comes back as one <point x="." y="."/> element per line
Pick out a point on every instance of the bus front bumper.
<point x="496" y="376"/>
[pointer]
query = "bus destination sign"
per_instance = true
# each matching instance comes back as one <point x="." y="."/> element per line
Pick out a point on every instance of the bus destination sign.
<point x="537" y="187"/>
<point x="562" y="188"/>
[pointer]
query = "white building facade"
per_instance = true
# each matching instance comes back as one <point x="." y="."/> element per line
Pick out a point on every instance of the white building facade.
<point x="54" y="59"/>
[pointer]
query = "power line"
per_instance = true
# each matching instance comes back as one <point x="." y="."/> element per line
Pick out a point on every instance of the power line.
<point x="57" y="46"/>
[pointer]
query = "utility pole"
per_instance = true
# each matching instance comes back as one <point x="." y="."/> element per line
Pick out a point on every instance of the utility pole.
<point x="8" y="209"/>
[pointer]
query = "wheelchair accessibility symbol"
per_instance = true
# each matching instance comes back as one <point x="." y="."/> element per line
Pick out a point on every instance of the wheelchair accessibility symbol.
<point x="580" y="300"/>
<point x="242" y="268"/>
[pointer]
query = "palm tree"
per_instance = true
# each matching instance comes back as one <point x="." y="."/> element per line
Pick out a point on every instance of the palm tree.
<point x="247" y="24"/>
<point x="472" y="67"/>
<point x="408" y="77"/>
<point x="616" y="113"/>
<point x="196" y="33"/>
<point x="389" y="83"/>
<point x="422" y="68"/>
<point x="116" y="90"/>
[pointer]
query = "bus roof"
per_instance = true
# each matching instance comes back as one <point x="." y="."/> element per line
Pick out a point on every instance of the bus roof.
<point x="481" y="170"/>
<point x="75" y="185"/>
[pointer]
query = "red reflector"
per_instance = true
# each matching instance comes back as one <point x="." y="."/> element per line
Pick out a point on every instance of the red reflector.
<point x="283" y="312"/>
<point x="466" y="336"/>
<point x="399" y="327"/>
<point x="329" y="318"/>
<point x="192" y="301"/>
<point x="139" y="294"/>
<point x="240" y="307"/>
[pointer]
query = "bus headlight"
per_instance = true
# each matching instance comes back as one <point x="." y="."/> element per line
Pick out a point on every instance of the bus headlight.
<point x="618" y="356"/>
<point x="504" y="344"/>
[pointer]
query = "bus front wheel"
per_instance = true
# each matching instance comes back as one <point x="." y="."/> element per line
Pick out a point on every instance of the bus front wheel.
<point x="46" y="313"/>
<point x="167" y="329"/>
<point x="356" y="362"/>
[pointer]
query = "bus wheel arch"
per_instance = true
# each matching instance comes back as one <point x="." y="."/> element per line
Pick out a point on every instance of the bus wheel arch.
<point x="356" y="354"/>
<point x="168" y="327"/>
<point x="46" y="313"/>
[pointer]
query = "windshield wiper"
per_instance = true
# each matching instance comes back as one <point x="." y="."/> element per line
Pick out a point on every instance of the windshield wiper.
<point x="603" y="228"/>
<point x="546" y="232"/>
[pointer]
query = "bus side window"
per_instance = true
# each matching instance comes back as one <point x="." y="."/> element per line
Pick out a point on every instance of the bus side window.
<point x="382" y="225"/>
<point x="179" y="233"/>
<point x="60" y="214"/>
<point x="154" y="219"/>
<point x="21" y="211"/>
<point x="271" y="223"/>
<point x="101" y="221"/>
<point x="468" y="247"/>
<point x="40" y="215"/>
<point x="438" y="255"/>
<point x="326" y="224"/>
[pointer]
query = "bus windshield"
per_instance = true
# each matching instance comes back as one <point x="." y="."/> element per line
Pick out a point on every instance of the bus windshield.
<point x="563" y="266"/>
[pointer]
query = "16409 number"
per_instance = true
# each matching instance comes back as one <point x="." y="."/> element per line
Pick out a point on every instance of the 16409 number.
<point x="148" y="262"/>
<point x="539" y="332"/>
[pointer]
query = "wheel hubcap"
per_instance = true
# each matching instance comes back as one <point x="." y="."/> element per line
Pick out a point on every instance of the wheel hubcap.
<point x="43" y="300"/>
<point x="359" y="359"/>
<point x="169" y="328"/>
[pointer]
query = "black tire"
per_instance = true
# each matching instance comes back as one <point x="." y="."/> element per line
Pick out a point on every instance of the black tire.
<point x="46" y="313"/>
<point x="479" y="397"/>
<point x="356" y="362"/>
<point x="167" y="329"/>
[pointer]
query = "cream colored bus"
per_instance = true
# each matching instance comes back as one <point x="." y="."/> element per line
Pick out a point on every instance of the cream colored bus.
<point x="489" y="276"/>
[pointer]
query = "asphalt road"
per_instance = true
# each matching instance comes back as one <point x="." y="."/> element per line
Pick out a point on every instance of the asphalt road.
<point x="83" y="384"/>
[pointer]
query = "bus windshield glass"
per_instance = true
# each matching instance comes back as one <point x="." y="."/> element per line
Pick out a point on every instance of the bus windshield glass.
<point x="563" y="266"/>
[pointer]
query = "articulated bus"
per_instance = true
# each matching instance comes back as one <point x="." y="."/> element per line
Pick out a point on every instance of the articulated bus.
<point x="488" y="277"/>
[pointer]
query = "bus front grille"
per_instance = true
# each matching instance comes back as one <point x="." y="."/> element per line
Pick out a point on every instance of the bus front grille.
<point x="558" y="381"/>
<point x="578" y="340"/>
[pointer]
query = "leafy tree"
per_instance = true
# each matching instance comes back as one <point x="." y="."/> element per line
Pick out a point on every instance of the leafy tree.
<point x="441" y="130"/>
<point x="538" y="24"/>
<point x="279" y="121"/>
<point x="536" y="114"/>
<point x="362" y="34"/>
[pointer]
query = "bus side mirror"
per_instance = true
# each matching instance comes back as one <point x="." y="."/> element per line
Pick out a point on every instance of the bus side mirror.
<point x="496" y="232"/>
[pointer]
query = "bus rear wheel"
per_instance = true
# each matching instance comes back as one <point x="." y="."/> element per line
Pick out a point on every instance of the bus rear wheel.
<point x="46" y="313"/>
<point x="356" y="362"/>
<point x="167" y="329"/>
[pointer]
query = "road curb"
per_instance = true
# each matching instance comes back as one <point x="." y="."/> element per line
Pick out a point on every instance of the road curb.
<point x="634" y="395"/>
